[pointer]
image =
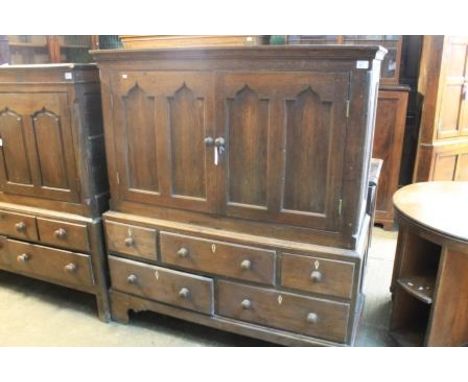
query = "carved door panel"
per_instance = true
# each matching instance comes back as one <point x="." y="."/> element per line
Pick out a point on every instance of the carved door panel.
<point x="453" y="119"/>
<point x="162" y="121"/>
<point x="284" y="146"/>
<point x="37" y="151"/>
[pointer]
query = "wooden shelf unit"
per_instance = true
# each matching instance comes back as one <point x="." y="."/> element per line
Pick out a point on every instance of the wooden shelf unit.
<point x="420" y="287"/>
<point x="429" y="283"/>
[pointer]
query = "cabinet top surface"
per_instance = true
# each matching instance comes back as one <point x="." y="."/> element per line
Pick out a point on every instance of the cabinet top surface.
<point x="332" y="52"/>
<point x="69" y="73"/>
<point x="64" y="66"/>
<point x="440" y="206"/>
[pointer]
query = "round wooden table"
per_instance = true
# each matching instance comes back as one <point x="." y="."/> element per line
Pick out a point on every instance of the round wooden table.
<point x="430" y="275"/>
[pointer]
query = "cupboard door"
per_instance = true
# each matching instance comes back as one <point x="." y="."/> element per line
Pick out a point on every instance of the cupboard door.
<point x="452" y="120"/>
<point x="37" y="150"/>
<point x="388" y="145"/>
<point x="162" y="122"/>
<point x="15" y="167"/>
<point x="284" y="145"/>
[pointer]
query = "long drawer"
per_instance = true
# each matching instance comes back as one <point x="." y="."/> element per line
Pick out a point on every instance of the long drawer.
<point x="317" y="275"/>
<point x="49" y="263"/>
<point x="161" y="284"/>
<point x="309" y="316"/>
<point x="219" y="258"/>
<point x="17" y="225"/>
<point x="135" y="241"/>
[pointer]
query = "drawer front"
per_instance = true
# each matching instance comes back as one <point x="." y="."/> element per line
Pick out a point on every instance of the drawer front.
<point x="18" y="225"/>
<point x="69" y="235"/>
<point x="54" y="264"/>
<point x="286" y="311"/>
<point x="225" y="259"/>
<point x="317" y="275"/>
<point x="131" y="240"/>
<point x="161" y="284"/>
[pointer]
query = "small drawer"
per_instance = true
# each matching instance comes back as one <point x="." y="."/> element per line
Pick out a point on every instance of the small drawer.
<point x="317" y="275"/>
<point x="18" y="225"/>
<point x="219" y="258"/>
<point x="49" y="263"/>
<point x="161" y="284"/>
<point x="131" y="240"/>
<point x="305" y="315"/>
<point x="61" y="234"/>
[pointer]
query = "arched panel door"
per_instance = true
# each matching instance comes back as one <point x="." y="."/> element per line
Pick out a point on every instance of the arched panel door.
<point x="37" y="150"/>
<point x="164" y="123"/>
<point x="15" y="168"/>
<point x="284" y="146"/>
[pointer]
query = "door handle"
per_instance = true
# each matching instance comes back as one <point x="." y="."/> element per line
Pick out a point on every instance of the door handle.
<point x="209" y="141"/>
<point x="219" y="149"/>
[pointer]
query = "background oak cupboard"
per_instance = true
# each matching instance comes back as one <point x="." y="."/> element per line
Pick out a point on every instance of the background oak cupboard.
<point x="53" y="180"/>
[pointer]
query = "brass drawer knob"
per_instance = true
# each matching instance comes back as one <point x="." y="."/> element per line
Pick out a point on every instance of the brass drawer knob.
<point x="316" y="276"/>
<point x="23" y="258"/>
<point x="60" y="233"/>
<point x="70" y="268"/>
<point x="183" y="252"/>
<point x="20" y="227"/>
<point x="184" y="293"/>
<point x="246" y="264"/>
<point x="246" y="304"/>
<point x="129" y="241"/>
<point x="132" y="279"/>
<point x="312" y="318"/>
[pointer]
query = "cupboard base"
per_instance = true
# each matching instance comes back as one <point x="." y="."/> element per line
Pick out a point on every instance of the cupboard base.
<point x="122" y="304"/>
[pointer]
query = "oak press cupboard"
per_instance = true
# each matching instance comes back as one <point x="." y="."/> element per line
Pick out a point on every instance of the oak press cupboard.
<point x="53" y="179"/>
<point x="239" y="180"/>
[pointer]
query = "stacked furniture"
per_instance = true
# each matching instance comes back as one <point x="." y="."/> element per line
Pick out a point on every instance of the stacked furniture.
<point x="443" y="84"/>
<point x="167" y="41"/>
<point x="42" y="49"/>
<point x="239" y="186"/>
<point x="53" y="178"/>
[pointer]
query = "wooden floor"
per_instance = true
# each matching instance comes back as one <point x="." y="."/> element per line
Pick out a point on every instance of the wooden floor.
<point x="34" y="313"/>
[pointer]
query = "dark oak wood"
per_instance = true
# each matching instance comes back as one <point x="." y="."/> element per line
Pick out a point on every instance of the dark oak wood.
<point x="390" y="68"/>
<point x="161" y="284"/>
<point x="421" y="287"/>
<point x="317" y="275"/>
<point x="52" y="140"/>
<point x="388" y="145"/>
<point x="230" y="155"/>
<point x="123" y="303"/>
<point x="55" y="264"/>
<point x="429" y="283"/>
<point x="131" y="240"/>
<point x="287" y="311"/>
<point x="53" y="175"/>
<point x="443" y="136"/>
<point x="61" y="234"/>
<point x="221" y="258"/>
<point x="18" y="225"/>
<point x="302" y="75"/>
